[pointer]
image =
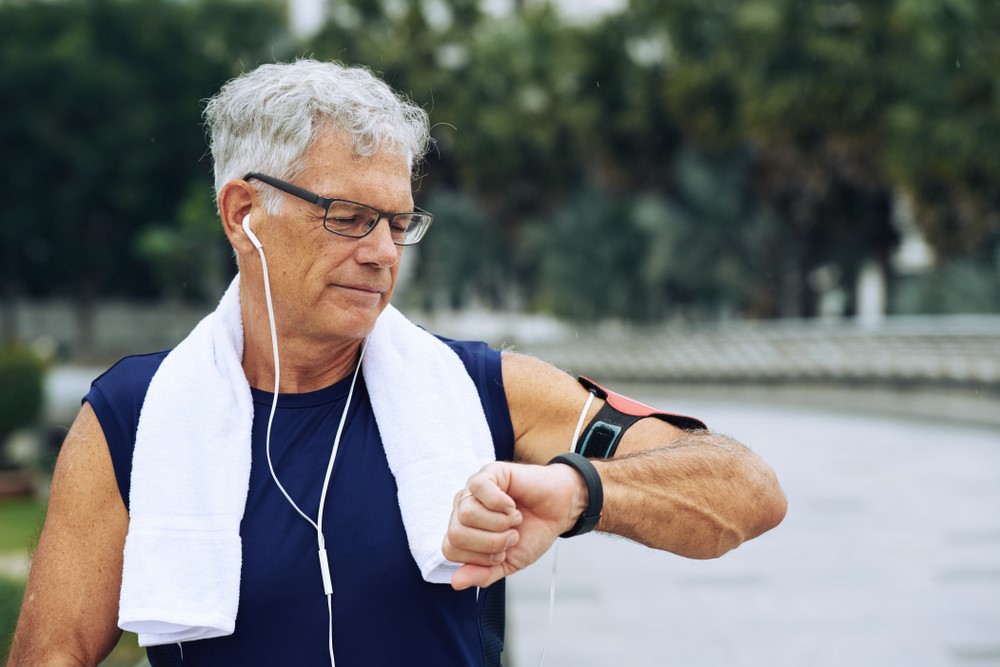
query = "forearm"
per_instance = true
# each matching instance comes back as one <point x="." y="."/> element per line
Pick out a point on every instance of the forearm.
<point x="698" y="497"/>
<point x="54" y="633"/>
<point x="30" y="653"/>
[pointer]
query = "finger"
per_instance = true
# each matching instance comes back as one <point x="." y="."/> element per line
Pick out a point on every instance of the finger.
<point x="488" y="487"/>
<point x="472" y="513"/>
<point x="465" y="539"/>
<point x="465" y="557"/>
<point x="468" y="576"/>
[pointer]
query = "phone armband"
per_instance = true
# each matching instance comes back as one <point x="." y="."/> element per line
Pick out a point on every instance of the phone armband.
<point x="600" y="438"/>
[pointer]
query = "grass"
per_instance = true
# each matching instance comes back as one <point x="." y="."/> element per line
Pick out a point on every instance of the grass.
<point x="20" y="523"/>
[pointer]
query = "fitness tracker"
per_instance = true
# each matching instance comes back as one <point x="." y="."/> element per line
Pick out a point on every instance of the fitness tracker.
<point x="595" y="492"/>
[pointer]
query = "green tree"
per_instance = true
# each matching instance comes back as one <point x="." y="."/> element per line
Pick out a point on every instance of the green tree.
<point x="104" y="127"/>
<point x="795" y="83"/>
<point x="497" y="108"/>
<point x="586" y="252"/>
<point x="945" y="126"/>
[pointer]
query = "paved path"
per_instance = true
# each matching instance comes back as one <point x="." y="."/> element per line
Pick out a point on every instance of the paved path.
<point x="889" y="555"/>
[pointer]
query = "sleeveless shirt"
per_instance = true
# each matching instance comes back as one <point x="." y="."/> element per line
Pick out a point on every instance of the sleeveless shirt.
<point x="384" y="613"/>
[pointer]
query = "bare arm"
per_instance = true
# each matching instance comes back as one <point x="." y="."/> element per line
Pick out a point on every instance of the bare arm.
<point x="70" y="610"/>
<point x="699" y="496"/>
<point x="694" y="494"/>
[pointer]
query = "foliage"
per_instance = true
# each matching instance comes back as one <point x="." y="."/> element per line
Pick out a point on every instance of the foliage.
<point x="577" y="249"/>
<point x="20" y="523"/>
<point x="465" y="256"/>
<point x="22" y="374"/>
<point x="103" y="126"/>
<point x="946" y="127"/>
<point x="11" y="594"/>
<point x="711" y="247"/>
<point x="741" y="148"/>
<point x="188" y="257"/>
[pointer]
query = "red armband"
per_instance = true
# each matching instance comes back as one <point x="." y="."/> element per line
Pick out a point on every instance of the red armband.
<point x="601" y="437"/>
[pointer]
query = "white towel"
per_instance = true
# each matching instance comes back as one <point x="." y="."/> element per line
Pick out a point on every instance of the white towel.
<point x="426" y="408"/>
<point x="191" y="467"/>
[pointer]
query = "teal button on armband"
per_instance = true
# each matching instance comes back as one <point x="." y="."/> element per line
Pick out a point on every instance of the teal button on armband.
<point x="595" y="492"/>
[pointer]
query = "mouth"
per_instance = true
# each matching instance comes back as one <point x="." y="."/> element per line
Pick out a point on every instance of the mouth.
<point x="362" y="289"/>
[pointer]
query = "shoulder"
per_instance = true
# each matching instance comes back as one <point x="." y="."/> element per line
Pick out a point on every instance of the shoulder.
<point x="130" y="375"/>
<point x="480" y="360"/>
<point x="545" y="404"/>
<point x="471" y="352"/>
<point x="121" y="389"/>
<point x="116" y="398"/>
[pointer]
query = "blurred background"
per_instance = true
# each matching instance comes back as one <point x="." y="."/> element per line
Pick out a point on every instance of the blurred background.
<point x="781" y="216"/>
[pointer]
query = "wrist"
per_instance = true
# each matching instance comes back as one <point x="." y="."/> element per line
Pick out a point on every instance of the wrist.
<point x="591" y="500"/>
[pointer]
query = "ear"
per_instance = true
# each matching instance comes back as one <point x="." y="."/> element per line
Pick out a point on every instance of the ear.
<point x="236" y="201"/>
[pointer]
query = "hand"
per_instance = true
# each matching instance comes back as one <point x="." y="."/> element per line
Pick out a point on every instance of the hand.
<point x="508" y="515"/>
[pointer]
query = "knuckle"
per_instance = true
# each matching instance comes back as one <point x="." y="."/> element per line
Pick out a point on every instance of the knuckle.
<point x="447" y="549"/>
<point x="459" y="541"/>
<point x="465" y="513"/>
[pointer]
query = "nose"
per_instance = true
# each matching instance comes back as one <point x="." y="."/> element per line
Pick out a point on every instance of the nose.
<point x="377" y="247"/>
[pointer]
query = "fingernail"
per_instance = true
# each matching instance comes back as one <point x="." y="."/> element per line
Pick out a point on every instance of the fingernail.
<point x="511" y="540"/>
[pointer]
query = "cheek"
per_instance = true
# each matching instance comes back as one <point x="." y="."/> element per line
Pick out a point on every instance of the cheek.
<point x="312" y="258"/>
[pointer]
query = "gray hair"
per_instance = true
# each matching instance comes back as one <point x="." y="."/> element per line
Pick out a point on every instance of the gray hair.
<point x="265" y="120"/>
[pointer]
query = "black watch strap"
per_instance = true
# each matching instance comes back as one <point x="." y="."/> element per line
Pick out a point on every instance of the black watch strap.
<point x="595" y="492"/>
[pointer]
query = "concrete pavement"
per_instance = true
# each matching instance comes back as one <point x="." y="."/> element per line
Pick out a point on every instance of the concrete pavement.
<point x="889" y="555"/>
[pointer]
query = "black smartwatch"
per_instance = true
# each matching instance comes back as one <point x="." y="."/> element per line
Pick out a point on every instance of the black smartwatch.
<point x="595" y="491"/>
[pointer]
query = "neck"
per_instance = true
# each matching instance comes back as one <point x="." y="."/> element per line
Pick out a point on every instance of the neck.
<point x="305" y="363"/>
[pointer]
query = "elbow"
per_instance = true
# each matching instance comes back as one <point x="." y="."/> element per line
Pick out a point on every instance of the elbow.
<point x="764" y="509"/>
<point x="776" y="510"/>
<point x="727" y="541"/>
<point x="766" y="505"/>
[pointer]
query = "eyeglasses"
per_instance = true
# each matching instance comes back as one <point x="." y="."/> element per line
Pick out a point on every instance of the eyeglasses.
<point x="354" y="220"/>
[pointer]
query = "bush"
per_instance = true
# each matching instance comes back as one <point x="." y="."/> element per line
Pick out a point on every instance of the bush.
<point x="22" y="374"/>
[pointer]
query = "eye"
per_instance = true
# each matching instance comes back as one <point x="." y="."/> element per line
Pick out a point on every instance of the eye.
<point x="345" y="215"/>
<point x="347" y="221"/>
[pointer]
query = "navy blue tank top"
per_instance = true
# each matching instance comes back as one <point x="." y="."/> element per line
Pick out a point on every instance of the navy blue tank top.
<point x="384" y="613"/>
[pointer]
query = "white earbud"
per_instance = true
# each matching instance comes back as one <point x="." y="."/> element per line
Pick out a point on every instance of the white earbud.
<point x="253" y="237"/>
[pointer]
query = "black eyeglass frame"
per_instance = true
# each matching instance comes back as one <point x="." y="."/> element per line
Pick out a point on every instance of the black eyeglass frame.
<point x="326" y="202"/>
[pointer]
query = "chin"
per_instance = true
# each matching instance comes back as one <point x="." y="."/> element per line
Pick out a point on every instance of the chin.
<point x="358" y="327"/>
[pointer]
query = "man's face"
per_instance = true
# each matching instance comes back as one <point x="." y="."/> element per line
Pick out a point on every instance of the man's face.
<point x="329" y="288"/>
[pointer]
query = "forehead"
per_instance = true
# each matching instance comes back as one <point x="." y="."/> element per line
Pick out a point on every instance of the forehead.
<point x="330" y="168"/>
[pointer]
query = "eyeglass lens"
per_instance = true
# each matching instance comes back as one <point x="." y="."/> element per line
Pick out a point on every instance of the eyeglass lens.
<point x="356" y="220"/>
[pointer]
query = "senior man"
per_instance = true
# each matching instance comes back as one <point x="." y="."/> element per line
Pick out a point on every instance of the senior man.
<point x="299" y="480"/>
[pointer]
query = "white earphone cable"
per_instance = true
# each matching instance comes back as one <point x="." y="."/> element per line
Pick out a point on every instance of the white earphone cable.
<point x="318" y="525"/>
<point x="555" y="551"/>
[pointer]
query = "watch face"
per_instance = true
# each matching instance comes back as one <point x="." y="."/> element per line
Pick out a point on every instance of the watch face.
<point x="600" y="440"/>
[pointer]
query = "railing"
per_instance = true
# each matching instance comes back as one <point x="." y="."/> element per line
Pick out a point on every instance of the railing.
<point x="957" y="352"/>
